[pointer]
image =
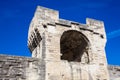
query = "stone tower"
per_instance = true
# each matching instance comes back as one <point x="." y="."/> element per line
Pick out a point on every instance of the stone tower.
<point x="67" y="50"/>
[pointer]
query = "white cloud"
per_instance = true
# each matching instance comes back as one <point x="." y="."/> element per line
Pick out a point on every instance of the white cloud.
<point x="113" y="34"/>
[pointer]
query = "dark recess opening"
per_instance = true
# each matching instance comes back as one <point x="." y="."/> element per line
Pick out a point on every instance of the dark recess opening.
<point x="35" y="39"/>
<point x="73" y="45"/>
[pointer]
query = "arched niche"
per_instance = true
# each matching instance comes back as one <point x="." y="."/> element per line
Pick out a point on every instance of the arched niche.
<point x="74" y="46"/>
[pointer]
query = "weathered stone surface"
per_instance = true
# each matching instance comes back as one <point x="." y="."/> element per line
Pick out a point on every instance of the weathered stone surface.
<point x="114" y="72"/>
<point x="14" y="68"/>
<point x="68" y="50"/>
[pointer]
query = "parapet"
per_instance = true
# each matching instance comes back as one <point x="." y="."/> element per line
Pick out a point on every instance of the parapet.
<point x="46" y="14"/>
<point x="93" y="22"/>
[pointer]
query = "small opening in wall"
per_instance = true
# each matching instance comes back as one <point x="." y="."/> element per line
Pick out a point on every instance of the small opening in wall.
<point x="74" y="46"/>
<point x="102" y="36"/>
<point x="44" y="26"/>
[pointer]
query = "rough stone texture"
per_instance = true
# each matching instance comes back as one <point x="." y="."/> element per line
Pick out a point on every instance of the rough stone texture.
<point x="68" y="50"/>
<point x="114" y="72"/>
<point x="23" y="68"/>
<point x="61" y="50"/>
<point x="19" y="68"/>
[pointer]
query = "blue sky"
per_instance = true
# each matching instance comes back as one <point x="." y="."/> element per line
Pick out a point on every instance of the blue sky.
<point x="15" y="17"/>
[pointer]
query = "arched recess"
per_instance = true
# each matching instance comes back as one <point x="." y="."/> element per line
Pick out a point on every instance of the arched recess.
<point x="74" y="46"/>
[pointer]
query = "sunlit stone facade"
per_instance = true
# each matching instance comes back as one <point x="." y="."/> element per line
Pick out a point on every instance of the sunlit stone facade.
<point x="68" y="50"/>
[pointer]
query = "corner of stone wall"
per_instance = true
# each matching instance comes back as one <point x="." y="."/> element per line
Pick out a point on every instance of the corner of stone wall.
<point x="18" y="68"/>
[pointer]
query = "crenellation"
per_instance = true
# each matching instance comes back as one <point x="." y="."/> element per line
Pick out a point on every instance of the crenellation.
<point x="95" y="23"/>
<point x="46" y="15"/>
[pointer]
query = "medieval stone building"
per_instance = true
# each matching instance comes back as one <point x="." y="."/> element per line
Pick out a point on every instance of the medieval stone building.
<point x="61" y="50"/>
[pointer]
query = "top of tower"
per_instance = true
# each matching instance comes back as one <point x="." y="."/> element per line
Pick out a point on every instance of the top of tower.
<point x="46" y="14"/>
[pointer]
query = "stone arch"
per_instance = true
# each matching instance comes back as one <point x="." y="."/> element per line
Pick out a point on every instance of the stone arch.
<point x="73" y="46"/>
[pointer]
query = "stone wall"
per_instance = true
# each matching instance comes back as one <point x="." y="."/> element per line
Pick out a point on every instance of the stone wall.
<point x="18" y="68"/>
<point x="24" y="68"/>
<point x="114" y="72"/>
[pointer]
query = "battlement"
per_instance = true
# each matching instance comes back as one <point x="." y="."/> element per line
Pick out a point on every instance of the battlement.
<point x="49" y="15"/>
<point x="93" y="22"/>
<point x="46" y="14"/>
